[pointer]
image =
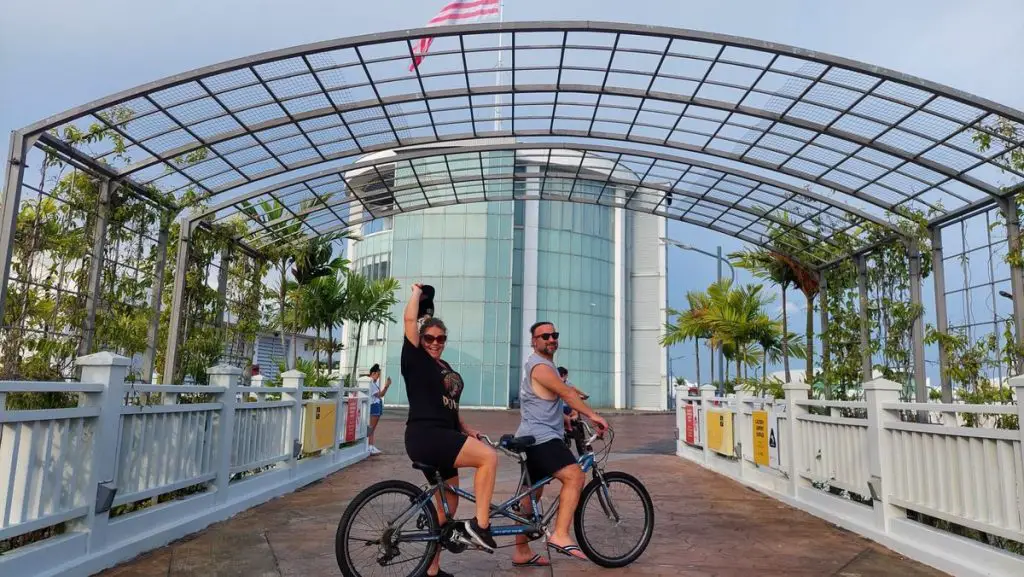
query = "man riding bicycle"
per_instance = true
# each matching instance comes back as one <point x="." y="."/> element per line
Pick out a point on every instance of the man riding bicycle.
<point x="542" y="394"/>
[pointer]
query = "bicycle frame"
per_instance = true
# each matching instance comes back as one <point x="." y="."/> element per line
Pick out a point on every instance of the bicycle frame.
<point x="522" y="525"/>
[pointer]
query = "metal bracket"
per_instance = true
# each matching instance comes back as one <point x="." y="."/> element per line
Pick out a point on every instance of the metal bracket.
<point x="875" y="487"/>
<point x="296" y="449"/>
<point x="105" y="493"/>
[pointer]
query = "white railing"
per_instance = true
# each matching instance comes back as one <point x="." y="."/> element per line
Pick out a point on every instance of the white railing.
<point x="122" y="474"/>
<point x="864" y="466"/>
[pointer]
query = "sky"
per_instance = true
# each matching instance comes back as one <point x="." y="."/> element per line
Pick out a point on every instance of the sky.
<point x="58" y="54"/>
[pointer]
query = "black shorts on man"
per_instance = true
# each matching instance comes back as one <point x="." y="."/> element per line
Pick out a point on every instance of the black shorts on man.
<point x="546" y="459"/>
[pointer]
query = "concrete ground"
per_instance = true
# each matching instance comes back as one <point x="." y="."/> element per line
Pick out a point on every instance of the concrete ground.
<point x="705" y="524"/>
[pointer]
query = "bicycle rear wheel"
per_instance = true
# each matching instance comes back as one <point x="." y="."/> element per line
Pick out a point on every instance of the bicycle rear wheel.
<point x="366" y="545"/>
<point x="632" y="522"/>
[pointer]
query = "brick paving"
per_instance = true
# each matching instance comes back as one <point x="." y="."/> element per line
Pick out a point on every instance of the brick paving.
<point x="705" y="524"/>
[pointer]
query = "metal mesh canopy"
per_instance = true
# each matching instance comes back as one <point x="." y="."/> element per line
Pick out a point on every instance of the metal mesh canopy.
<point x="737" y="135"/>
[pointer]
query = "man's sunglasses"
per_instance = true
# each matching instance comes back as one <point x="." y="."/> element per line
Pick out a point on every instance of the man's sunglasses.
<point x="430" y="339"/>
<point x="547" y="336"/>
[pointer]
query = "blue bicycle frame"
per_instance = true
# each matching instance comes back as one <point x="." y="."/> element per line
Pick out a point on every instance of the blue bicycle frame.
<point x="522" y="525"/>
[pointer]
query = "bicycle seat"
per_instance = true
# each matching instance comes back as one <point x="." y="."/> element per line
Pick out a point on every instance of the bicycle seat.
<point x="516" y="444"/>
<point x="427" y="469"/>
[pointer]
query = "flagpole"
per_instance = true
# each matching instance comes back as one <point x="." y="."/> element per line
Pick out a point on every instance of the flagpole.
<point x="497" y="74"/>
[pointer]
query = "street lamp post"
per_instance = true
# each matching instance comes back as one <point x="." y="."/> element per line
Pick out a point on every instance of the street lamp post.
<point x="732" y="274"/>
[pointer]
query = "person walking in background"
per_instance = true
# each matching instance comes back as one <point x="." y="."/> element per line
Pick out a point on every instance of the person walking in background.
<point x="376" y="403"/>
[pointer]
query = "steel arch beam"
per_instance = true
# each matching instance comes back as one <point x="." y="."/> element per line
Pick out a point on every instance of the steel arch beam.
<point x="420" y="153"/>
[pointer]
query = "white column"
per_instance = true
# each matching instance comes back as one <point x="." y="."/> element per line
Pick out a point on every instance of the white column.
<point x="107" y="369"/>
<point x="663" y="299"/>
<point x="531" y="257"/>
<point x="621" y="379"/>
<point x="707" y="392"/>
<point x="293" y="382"/>
<point x="877" y="393"/>
<point x="795" y="391"/>
<point x="225" y="376"/>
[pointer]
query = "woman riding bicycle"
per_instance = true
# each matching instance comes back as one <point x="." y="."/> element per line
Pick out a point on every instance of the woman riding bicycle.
<point x="435" y="434"/>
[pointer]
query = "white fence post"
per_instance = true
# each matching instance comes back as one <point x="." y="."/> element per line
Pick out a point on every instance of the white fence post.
<point x="795" y="391"/>
<point x="707" y="392"/>
<point x="107" y="369"/>
<point x="225" y="376"/>
<point x="743" y="438"/>
<point x="877" y="393"/>
<point x="1018" y="388"/>
<point x="296" y="380"/>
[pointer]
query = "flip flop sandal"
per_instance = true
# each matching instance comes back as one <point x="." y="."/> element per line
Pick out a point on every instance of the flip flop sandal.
<point x="568" y="551"/>
<point x="533" y="562"/>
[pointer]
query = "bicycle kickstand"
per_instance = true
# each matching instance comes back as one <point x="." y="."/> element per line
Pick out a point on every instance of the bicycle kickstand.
<point x="551" y="560"/>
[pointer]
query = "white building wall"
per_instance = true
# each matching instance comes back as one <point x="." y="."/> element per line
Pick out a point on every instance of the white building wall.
<point x="646" y="309"/>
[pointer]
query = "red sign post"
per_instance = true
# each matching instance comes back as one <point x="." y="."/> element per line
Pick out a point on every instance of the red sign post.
<point x="351" y="417"/>
<point x="690" y="425"/>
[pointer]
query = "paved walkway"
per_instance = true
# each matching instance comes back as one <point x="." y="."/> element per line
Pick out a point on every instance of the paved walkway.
<point x="705" y="524"/>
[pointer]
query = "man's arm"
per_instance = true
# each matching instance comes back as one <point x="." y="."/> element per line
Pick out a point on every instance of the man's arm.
<point x="548" y="378"/>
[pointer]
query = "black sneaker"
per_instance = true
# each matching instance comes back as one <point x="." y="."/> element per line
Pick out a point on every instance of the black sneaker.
<point x="481" y="536"/>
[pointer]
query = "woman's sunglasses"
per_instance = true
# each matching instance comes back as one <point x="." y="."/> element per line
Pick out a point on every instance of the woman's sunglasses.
<point x="431" y="339"/>
<point x="548" y="336"/>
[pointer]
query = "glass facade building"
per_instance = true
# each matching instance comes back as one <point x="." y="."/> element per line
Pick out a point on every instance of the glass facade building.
<point x="499" y="266"/>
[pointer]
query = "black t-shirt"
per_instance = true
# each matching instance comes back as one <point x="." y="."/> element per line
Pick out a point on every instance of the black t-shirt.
<point x="433" y="388"/>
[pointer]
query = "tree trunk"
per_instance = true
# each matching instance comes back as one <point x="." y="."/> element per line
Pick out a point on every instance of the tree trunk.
<point x="355" y="360"/>
<point x="696" y="352"/>
<point x="316" y="348"/>
<point x="712" y="365"/>
<point x="810" y="340"/>
<point x="764" y="367"/>
<point x="330" y="349"/>
<point x="739" y="367"/>
<point x="295" y="352"/>
<point x="785" y="336"/>
<point x="282" y="297"/>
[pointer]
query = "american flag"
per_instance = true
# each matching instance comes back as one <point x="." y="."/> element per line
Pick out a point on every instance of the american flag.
<point x="458" y="12"/>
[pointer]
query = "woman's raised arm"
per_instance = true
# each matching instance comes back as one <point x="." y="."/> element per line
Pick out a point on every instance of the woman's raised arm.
<point x="412" y="308"/>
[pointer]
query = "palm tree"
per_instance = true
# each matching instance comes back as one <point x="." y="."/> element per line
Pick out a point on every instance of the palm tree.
<point x="690" y="324"/>
<point x="773" y="265"/>
<point x="334" y="308"/>
<point x="764" y="264"/>
<point x="368" y="302"/>
<point x="268" y="213"/>
<point x="314" y="260"/>
<point x="737" y="319"/>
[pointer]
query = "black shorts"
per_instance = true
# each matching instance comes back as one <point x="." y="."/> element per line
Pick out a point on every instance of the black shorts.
<point x="546" y="459"/>
<point x="435" y="446"/>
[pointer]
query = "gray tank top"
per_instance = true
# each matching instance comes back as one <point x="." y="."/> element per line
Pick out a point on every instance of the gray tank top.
<point x="540" y="418"/>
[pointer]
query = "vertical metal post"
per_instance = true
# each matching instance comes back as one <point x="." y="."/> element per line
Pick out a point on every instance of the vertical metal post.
<point x="15" y="171"/>
<point x="865" y="332"/>
<point x="917" y="330"/>
<point x="1009" y="207"/>
<point x="825" y="360"/>
<point x="721" y="354"/>
<point x="99" y="246"/>
<point x="177" y="301"/>
<point x="941" y="318"/>
<point x="222" y="285"/>
<point x="156" y="304"/>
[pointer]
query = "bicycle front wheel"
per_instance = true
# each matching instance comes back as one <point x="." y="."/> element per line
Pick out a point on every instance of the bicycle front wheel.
<point x="369" y="543"/>
<point x="614" y="524"/>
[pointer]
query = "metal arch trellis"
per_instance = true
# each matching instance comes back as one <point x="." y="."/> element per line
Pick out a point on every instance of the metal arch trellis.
<point x="859" y="143"/>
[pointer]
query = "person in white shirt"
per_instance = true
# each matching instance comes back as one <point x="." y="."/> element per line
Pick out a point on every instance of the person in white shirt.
<point x="376" y="403"/>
